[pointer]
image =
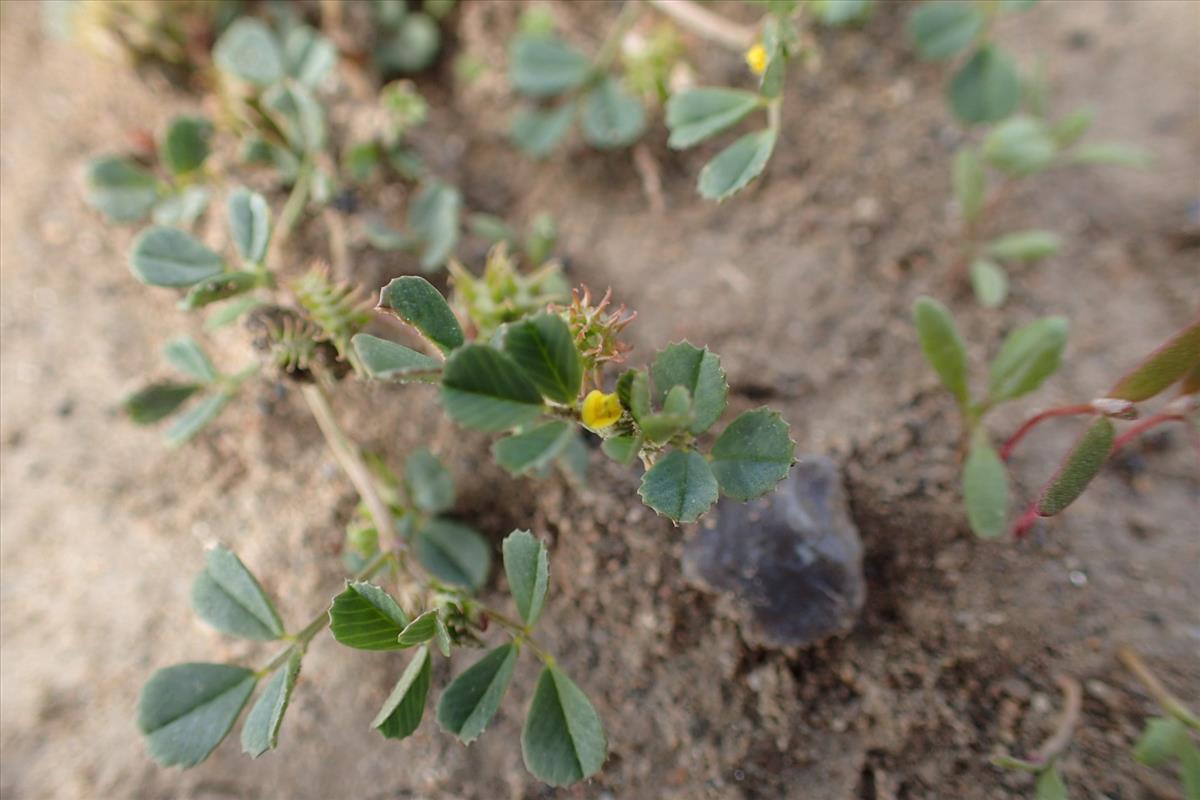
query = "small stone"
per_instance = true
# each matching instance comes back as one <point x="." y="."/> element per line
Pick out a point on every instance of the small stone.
<point x="791" y="561"/>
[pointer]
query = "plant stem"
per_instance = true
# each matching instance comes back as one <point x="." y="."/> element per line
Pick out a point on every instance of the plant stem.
<point x="706" y="24"/>
<point x="519" y="632"/>
<point x="1035" y="420"/>
<point x="1060" y="740"/>
<point x="1167" y="701"/>
<point x="295" y="203"/>
<point x="1145" y="425"/>
<point x="612" y="42"/>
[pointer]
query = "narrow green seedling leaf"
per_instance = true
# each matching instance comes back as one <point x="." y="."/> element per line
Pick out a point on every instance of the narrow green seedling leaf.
<point x="222" y="287"/>
<point x="401" y="713"/>
<point x="680" y="486"/>
<point x="1024" y="245"/>
<point x="184" y="354"/>
<point x="120" y="189"/>
<point x="985" y="89"/>
<point x="196" y="418"/>
<point x="753" y="454"/>
<point x="1077" y="471"/>
<point x="942" y="346"/>
<point x="532" y="450"/>
<point x="260" y="731"/>
<point x="250" y="52"/>
<point x="970" y="183"/>
<point x="985" y="488"/>
<point x="414" y="300"/>
<point x="543" y="66"/>
<point x="738" y="164"/>
<point x="527" y="566"/>
<point x="184" y="148"/>
<point x="434" y="218"/>
<point x="472" y="699"/>
<point x="563" y="740"/>
<point x="249" y="224"/>
<point x="158" y="401"/>
<point x="430" y="484"/>
<point x="1169" y="363"/>
<point x="1160" y="742"/>
<point x="484" y="389"/>
<point x="227" y="596"/>
<point x="612" y="117"/>
<point x="1020" y="146"/>
<point x="454" y="553"/>
<point x="1050" y="785"/>
<point x="536" y="131"/>
<point x="989" y="282"/>
<point x="944" y="28"/>
<point x="164" y="256"/>
<point x="1111" y="154"/>
<point x="187" y="709"/>
<point x="386" y="360"/>
<point x="699" y="371"/>
<point x="696" y="114"/>
<point x="366" y="617"/>
<point x="1028" y="356"/>
<point x="542" y="346"/>
<point x="420" y="630"/>
<point x="622" y="449"/>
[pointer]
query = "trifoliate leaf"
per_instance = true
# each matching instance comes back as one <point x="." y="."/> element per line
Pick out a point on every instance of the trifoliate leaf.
<point x="985" y="488"/>
<point x="563" y="740"/>
<point x="260" y="731"/>
<point x="401" y="713"/>
<point x="738" y="164"/>
<point x="681" y="486"/>
<point x="471" y="700"/>
<point x="694" y="115"/>
<point x="227" y="596"/>
<point x="753" y="454"/>
<point x="484" y="389"/>
<point x="942" y="346"/>
<point x="527" y="566"/>
<point x="542" y="346"/>
<point x="1028" y="356"/>
<point x="366" y="617"/>
<point x="187" y="709"/>
<point x="164" y="256"/>
<point x="414" y="300"/>
<point x="454" y="553"/>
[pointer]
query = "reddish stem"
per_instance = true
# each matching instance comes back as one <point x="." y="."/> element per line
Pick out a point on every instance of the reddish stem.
<point x="1145" y="425"/>
<point x="1034" y="421"/>
<point x="1026" y="521"/>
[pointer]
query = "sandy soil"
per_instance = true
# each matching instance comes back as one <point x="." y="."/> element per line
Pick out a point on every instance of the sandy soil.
<point x="803" y="286"/>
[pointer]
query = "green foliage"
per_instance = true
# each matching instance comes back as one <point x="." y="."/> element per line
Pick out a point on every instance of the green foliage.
<point x="989" y="281"/>
<point x="1161" y="369"/>
<point x="699" y="371"/>
<point x="753" y="454"/>
<point x="260" y="732"/>
<point x="366" y="617"/>
<point x="417" y="303"/>
<point x="249" y="51"/>
<point x="680" y="486"/>
<point x="1024" y="245"/>
<point x="563" y="739"/>
<point x="1080" y="466"/>
<point x="738" y="164"/>
<point x="401" y="713"/>
<point x="485" y="389"/>
<point x="985" y="488"/>
<point x="1050" y="785"/>
<point x="472" y="699"/>
<point x="227" y="596"/>
<point x="987" y="88"/>
<point x="158" y="401"/>
<point x="1028" y="356"/>
<point x="434" y="222"/>
<point x="944" y="28"/>
<point x="694" y="115"/>
<point x="454" y="553"/>
<point x="611" y="116"/>
<point x="338" y="309"/>
<point x="527" y="566"/>
<point x="532" y="450"/>
<point x="249" y="224"/>
<point x="544" y="66"/>
<point x="384" y="360"/>
<point x="185" y="146"/>
<point x="165" y="256"/>
<point x="942" y="346"/>
<point x="543" y="348"/>
<point x="185" y="711"/>
<point x="430" y="484"/>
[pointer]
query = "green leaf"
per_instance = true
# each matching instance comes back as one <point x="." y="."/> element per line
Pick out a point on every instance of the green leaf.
<point x="121" y="189"/>
<point x="536" y="132"/>
<point x="249" y="51"/>
<point x="1160" y="741"/>
<point x="366" y="617"/>
<point x="612" y="117"/>
<point x="298" y="114"/>
<point x="471" y="700"/>
<point x="1020" y="146"/>
<point x="484" y="389"/>
<point x="384" y="360"/>
<point x="542" y="66"/>
<point x="430" y="484"/>
<point x="990" y="282"/>
<point x="1111" y="153"/>
<point x="542" y="346"/>
<point x="737" y="165"/>
<point x="183" y="207"/>
<point x="1077" y="471"/>
<point x="970" y="183"/>
<point x="840" y="12"/>
<point x="985" y="89"/>
<point x="943" y="28"/>
<point x="196" y="418"/>
<point x="680" y="486"/>
<point x="1028" y="356"/>
<point x="985" y="488"/>
<point x="308" y="56"/>
<point x="185" y="145"/>
<point x="441" y="636"/>
<point x="1024" y="245"/>
<point x="639" y="394"/>
<point x="942" y="346"/>
<point x="227" y="596"/>
<point x="699" y="371"/>
<point x="454" y="553"/>
<point x="184" y="354"/>
<point x="694" y="115"/>
<point x="622" y="449"/>
<point x="1189" y="770"/>
<point x="753" y="454"/>
<point x="1010" y="6"/>
<point x="433" y="216"/>
<point x="249" y="224"/>
<point x="1068" y="130"/>
<point x="230" y="312"/>
<point x="414" y="300"/>
<point x="533" y="449"/>
<point x="1050" y="785"/>
<point x="157" y="401"/>
<point x="221" y="287"/>
<point x="405" y="706"/>
<point x="563" y="739"/>
<point x="527" y="566"/>
<point x="260" y="732"/>
<point x="187" y="709"/>
<point x="165" y="256"/>
<point x="419" y="630"/>
<point x="1168" y="363"/>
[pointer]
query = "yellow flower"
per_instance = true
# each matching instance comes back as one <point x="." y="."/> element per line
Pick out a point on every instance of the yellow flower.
<point x="600" y="410"/>
<point x="756" y="59"/>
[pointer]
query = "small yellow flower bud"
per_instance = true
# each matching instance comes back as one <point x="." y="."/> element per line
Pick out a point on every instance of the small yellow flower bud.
<point x="756" y="59"/>
<point x="600" y="410"/>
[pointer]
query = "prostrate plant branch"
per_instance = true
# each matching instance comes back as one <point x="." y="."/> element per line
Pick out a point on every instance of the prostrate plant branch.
<point x="1167" y="701"/>
<point x="705" y="23"/>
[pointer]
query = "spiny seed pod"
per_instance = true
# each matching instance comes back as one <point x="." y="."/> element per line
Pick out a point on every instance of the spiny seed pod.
<point x="292" y="345"/>
<point x="339" y="309"/>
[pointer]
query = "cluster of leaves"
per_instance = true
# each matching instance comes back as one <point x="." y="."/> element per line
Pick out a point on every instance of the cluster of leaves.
<point x="528" y="379"/>
<point x="503" y="294"/>
<point x="1028" y="356"/>
<point x="1019" y="147"/>
<point x="406" y="40"/>
<point x="166" y="183"/>
<point x="186" y="710"/>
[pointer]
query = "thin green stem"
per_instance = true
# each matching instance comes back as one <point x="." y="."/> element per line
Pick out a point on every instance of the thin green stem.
<point x="296" y="201"/>
<point x="612" y="42"/>
<point x="519" y="632"/>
